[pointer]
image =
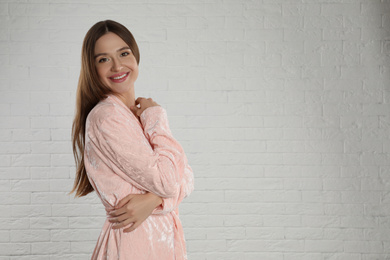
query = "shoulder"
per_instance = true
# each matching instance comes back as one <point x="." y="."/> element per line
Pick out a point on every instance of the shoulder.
<point x="101" y="112"/>
<point x="109" y="115"/>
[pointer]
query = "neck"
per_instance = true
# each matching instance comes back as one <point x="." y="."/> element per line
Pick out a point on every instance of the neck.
<point x="127" y="98"/>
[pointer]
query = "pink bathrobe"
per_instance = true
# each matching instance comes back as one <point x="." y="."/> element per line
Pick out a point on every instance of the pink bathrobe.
<point x="124" y="155"/>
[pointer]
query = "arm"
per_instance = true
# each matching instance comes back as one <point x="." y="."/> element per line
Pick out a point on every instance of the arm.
<point x="186" y="187"/>
<point x="135" y="208"/>
<point x="156" y="166"/>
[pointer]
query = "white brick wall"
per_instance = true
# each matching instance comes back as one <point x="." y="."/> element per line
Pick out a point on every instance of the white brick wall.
<point x="281" y="105"/>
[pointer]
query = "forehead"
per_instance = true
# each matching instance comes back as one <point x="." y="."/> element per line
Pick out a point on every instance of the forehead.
<point x="110" y="42"/>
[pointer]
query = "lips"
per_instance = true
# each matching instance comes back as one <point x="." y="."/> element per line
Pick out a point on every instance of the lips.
<point x="120" y="77"/>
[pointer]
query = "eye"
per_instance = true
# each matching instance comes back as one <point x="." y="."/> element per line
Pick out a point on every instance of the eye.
<point x="102" y="60"/>
<point x="125" y="53"/>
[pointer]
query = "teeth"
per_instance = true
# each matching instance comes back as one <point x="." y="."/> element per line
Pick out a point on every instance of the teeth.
<point x="120" y="77"/>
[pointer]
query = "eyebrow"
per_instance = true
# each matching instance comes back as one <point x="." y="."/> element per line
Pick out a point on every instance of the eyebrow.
<point x="121" y="49"/>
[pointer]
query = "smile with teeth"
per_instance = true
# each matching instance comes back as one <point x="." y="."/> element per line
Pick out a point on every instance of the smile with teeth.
<point x="120" y="77"/>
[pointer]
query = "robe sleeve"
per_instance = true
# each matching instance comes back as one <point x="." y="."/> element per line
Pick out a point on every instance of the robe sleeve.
<point x="187" y="183"/>
<point x="187" y="186"/>
<point x="157" y="165"/>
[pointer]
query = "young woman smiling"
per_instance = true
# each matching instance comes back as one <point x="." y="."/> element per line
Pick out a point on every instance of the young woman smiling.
<point x="125" y="151"/>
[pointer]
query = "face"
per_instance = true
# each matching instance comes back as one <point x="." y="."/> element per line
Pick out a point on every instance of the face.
<point x="115" y="63"/>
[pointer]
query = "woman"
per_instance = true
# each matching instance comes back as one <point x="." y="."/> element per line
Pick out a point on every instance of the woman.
<point x="124" y="150"/>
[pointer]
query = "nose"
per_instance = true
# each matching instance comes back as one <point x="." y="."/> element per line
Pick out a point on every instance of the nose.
<point x="116" y="65"/>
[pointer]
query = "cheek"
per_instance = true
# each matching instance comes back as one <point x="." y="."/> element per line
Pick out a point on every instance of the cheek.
<point x="135" y="67"/>
<point x="101" y="72"/>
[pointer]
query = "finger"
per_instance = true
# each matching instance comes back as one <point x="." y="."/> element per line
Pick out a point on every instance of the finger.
<point x="124" y="201"/>
<point x="123" y="224"/>
<point x="138" y="100"/>
<point x="120" y="212"/>
<point x="116" y="226"/>
<point x="133" y="227"/>
<point x="117" y="219"/>
<point x="122" y="218"/>
<point x="134" y="110"/>
<point x="117" y="212"/>
<point x="139" y="112"/>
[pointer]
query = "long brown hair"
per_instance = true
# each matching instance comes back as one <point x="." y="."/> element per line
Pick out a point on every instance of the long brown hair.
<point x="90" y="91"/>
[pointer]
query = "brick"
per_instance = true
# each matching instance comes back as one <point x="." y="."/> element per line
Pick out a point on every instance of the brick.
<point x="226" y="233"/>
<point x="209" y="246"/>
<point x="16" y="198"/>
<point x="304" y="233"/>
<point x="302" y="183"/>
<point x="261" y="8"/>
<point x="261" y="34"/>
<point x="5" y="160"/>
<point x="341" y="184"/>
<point x="30" y="235"/>
<point x="301" y="10"/>
<point x="30" y="210"/>
<point x="238" y="22"/>
<point x="265" y="233"/>
<point x="363" y="247"/>
<point x="14" y="173"/>
<point x="49" y="223"/>
<point x="24" y="9"/>
<point x="288" y="22"/>
<point x="345" y="233"/>
<point x="222" y="10"/>
<point x="311" y="21"/>
<point x="50" y="247"/>
<point x="344" y="209"/>
<point x="319" y="221"/>
<point x="10" y="249"/>
<point x="51" y="147"/>
<point x="29" y="109"/>
<point x="370" y="9"/>
<point x="14" y="148"/>
<point x="282" y="221"/>
<point x="13" y="223"/>
<point x="58" y="134"/>
<point x="49" y="72"/>
<point x="265" y="245"/>
<point x="337" y="9"/>
<point x="268" y="255"/>
<point x="33" y="135"/>
<point x="82" y="247"/>
<point x="31" y="160"/>
<point x="323" y="246"/>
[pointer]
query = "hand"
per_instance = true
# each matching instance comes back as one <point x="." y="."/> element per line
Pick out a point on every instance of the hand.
<point x="134" y="208"/>
<point x="143" y="103"/>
